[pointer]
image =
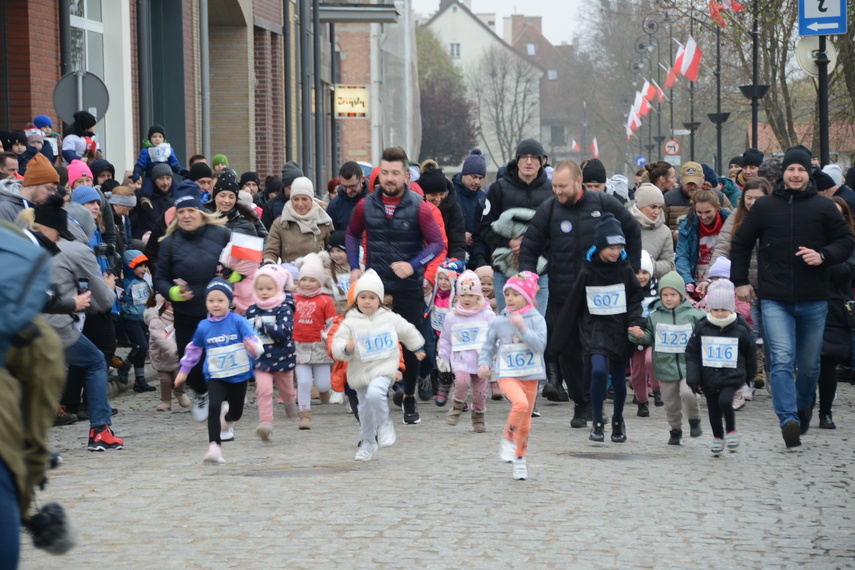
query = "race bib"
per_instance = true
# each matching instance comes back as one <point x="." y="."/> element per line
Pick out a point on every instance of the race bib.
<point x="607" y="300"/>
<point x="227" y="361"/>
<point x="342" y="281"/>
<point x="140" y="293"/>
<point x="378" y="345"/>
<point x="169" y="329"/>
<point x="672" y="338"/>
<point x="645" y="306"/>
<point x="267" y="320"/>
<point x="468" y="336"/>
<point x="516" y="360"/>
<point x="719" y="352"/>
<point x="53" y="145"/>
<point x="437" y="318"/>
<point x="160" y="153"/>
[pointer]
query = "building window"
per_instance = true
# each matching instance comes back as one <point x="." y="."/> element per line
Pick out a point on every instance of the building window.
<point x="530" y="49"/>
<point x="552" y="74"/>
<point x="87" y="36"/>
<point x="558" y="136"/>
<point x="455" y="51"/>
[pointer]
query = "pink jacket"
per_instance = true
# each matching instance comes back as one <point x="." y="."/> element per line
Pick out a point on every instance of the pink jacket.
<point x="162" y="349"/>
<point x="464" y="360"/>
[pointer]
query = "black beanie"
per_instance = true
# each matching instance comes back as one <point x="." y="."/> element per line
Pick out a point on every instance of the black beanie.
<point x="51" y="214"/>
<point x="823" y="181"/>
<point x="200" y="170"/>
<point x="109" y="185"/>
<point x="433" y="181"/>
<point x="290" y="171"/>
<point x="530" y="146"/>
<point x="156" y="129"/>
<point x="249" y="177"/>
<point x="797" y="155"/>
<point x="736" y="160"/>
<point x="608" y="232"/>
<point x="752" y="157"/>
<point x="337" y="240"/>
<point x="594" y="171"/>
<point x="226" y="181"/>
<point x="84" y="120"/>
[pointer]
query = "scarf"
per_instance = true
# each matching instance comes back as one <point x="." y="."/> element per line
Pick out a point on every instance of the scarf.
<point x="522" y="311"/>
<point x="310" y="221"/>
<point x="468" y="312"/>
<point x="269" y="304"/>
<point x="721" y="323"/>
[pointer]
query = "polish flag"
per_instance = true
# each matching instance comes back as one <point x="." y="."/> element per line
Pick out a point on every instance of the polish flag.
<point x="715" y="13"/>
<point x="634" y="120"/>
<point x="660" y="94"/>
<point x="575" y="146"/>
<point x="595" y="150"/>
<point x="648" y="91"/>
<point x="670" y="77"/>
<point x="642" y="105"/>
<point x="731" y="5"/>
<point x="678" y="60"/>
<point x="246" y="247"/>
<point x="691" y="60"/>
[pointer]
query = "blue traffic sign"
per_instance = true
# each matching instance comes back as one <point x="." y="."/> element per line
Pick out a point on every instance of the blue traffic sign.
<point x="640" y="160"/>
<point x="822" y="17"/>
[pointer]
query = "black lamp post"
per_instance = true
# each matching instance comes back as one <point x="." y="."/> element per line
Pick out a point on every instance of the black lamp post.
<point x="754" y="91"/>
<point x="718" y="117"/>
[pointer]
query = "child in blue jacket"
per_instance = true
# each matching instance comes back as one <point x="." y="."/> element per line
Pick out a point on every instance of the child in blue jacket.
<point x="155" y="151"/>
<point x="134" y="302"/>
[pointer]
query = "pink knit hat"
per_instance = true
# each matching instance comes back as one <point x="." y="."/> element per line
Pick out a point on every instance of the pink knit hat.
<point x="279" y="274"/>
<point x="468" y="283"/>
<point x="312" y="265"/>
<point x="76" y="169"/>
<point x="524" y="283"/>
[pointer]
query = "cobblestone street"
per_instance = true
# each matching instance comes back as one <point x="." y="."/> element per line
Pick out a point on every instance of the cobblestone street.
<point x="439" y="498"/>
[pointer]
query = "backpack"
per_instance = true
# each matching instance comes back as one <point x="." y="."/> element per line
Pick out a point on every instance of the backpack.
<point x="24" y="282"/>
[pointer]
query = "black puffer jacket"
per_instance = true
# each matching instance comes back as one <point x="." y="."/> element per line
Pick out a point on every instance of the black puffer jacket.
<point x="452" y="216"/>
<point x="837" y="337"/>
<point x="783" y="222"/>
<point x="599" y="334"/>
<point x="564" y="234"/>
<point x="193" y="257"/>
<point x="713" y="379"/>
<point x="241" y="219"/>
<point x="511" y="192"/>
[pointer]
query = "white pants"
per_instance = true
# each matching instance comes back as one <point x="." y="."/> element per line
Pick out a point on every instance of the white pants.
<point x="373" y="406"/>
<point x="308" y="374"/>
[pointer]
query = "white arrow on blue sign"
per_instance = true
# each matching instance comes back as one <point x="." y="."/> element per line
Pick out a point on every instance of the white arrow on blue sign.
<point x="822" y="17"/>
<point x="640" y="160"/>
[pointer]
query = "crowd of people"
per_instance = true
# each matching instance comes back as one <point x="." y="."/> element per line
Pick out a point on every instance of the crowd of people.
<point x="555" y="281"/>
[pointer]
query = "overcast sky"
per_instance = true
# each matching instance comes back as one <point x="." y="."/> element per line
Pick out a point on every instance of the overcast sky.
<point x="559" y="16"/>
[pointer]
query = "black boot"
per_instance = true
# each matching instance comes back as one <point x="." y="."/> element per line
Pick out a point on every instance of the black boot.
<point x="597" y="433"/>
<point x="643" y="410"/>
<point x="580" y="416"/>
<point x="657" y="398"/>
<point x="553" y="390"/>
<point x="804" y="419"/>
<point x="676" y="436"/>
<point x="618" y="431"/>
<point x="695" y="426"/>
<point x="142" y="386"/>
<point x="825" y="421"/>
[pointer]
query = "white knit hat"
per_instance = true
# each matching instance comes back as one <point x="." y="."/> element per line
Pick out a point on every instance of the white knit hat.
<point x="721" y="268"/>
<point x="721" y="295"/>
<point x="370" y="281"/>
<point x="646" y="262"/>
<point x="312" y="265"/>
<point x="302" y="186"/>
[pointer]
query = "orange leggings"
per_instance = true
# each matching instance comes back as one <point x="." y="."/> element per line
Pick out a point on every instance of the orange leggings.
<point x="521" y="393"/>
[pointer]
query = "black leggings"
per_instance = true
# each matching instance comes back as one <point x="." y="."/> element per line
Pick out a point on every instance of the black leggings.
<point x="720" y="403"/>
<point x="410" y="305"/>
<point x="827" y="382"/>
<point x="219" y="392"/>
<point x="185" y="327"/>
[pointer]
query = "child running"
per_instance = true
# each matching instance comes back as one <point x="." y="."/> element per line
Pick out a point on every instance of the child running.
<point x="720" y="358"/>
<point x="163" y="352"/>
<point x="668" y="328"/>
<point x="315" y="310"/>
<point x="272" y="315"/>
<point x="516" y="340"/>
<point x="368" y="340"/>
<point x="440" y="306"/>
<point x="463" y="333"/>
<point x="229" y="343"/>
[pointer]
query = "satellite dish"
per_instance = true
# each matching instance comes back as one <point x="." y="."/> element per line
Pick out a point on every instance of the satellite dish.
<point x="806" y="53"/>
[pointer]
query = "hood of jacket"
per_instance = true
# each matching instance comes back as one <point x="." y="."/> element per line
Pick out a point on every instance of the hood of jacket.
<point x="512" y="175"/>
<point x="11" y="190"/>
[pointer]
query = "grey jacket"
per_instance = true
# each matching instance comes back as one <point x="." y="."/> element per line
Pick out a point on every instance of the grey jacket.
<point x="74" y="262"/>
<point x="503" y="332"/>
<point x="11" y="200"/>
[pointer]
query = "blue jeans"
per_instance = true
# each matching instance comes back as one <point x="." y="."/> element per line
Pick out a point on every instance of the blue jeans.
<point x="10" y="519"/>
<point x="757" y="316"/>
<point x="86" y="355"/>
<point x="794" y="333"/>
<point x="499" y="280"/>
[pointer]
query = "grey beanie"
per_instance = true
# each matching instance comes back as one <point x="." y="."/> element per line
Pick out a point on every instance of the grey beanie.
<point x="290" y="171"/>
<point x="721" y="295"/>
<point x="83" y="217"/>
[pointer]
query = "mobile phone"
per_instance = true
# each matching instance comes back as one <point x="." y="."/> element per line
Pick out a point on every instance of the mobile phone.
<point x="82" y="286"/>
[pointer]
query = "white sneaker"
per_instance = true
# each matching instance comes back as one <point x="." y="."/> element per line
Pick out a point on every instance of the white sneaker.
<point x="214" y="455"/>
<point x="227" y="430"/>
<point x="748" y="392"/>
<point x="507" y="451"/>
<point x="738" y="399"/>
<point x="200" y="409"/>
<point x="386" y="434"/>
<point x="731" y="440"/>
<point x="347" y="407"/>
<point x="366" y="451"/>
<point x="337" y="397"/>
<point x="520" y="471"/>
<point x="717" y="447"/>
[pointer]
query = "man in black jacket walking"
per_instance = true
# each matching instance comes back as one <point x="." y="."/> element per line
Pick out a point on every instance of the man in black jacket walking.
<point x="563" y="230"/>
<point x="801" y="234"/>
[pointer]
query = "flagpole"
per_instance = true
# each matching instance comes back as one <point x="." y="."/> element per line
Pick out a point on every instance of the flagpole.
<point x="718" y="117"/>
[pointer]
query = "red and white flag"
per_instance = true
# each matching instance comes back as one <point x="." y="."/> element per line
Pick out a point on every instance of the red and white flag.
<point x="642" y="105"/>
<point x="575" y="146"/>
<point x="670" y="77"/>
<point x="732" y="5"/>
<point x="648" y="91"/>
<point x="595" y="150"/>
<point x="246" y="247"/>
<point x="691" y="60"/>
<point x="660" y="94"/>
<point x="678" y="60"/>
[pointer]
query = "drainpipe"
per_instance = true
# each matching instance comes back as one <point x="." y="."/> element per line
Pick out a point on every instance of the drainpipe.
<point x="204" y="64"/>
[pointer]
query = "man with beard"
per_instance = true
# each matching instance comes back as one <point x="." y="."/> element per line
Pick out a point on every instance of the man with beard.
<point x="402" y="237"/>
<point x="563" y="226"/>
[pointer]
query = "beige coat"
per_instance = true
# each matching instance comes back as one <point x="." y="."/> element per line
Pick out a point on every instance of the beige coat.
<point x="287" y="242"/>
<point x="656" y="240"/>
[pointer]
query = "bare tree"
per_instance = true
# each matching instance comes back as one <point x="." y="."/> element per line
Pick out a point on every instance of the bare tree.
<point x="506" y="92"/>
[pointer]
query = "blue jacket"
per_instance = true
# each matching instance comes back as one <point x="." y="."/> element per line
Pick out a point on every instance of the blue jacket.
<point x="341" y="208"/>
<point x="688" y="245"/>
<point x="145" y="163"/>
<point x="223" y="344"/>
<point x="277" y="326"/>
<point x="137" y="291"/>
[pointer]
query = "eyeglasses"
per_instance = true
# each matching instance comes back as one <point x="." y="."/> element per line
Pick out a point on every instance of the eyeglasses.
<point x="350" y="186"/>
<point x="528" y="157"/>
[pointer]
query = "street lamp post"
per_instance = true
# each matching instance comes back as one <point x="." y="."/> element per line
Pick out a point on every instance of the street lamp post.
<point x="755" y="92"/>
<point x="718" y="117"/>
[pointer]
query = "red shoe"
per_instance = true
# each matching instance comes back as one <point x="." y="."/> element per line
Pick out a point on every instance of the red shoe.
<point x="104" y="440"/>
